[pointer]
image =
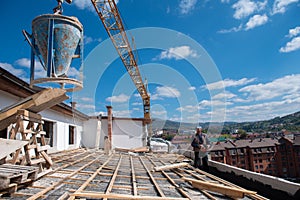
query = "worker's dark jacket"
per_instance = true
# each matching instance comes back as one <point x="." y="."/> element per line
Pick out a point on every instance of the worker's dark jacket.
<point x="197" y="141"/>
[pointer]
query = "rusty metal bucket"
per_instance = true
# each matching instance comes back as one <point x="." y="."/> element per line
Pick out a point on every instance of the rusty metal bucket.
<point x="57" y="38"/>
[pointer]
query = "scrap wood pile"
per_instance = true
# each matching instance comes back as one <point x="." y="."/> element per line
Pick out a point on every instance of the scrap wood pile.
<point x="91" y="174"/>
<point x="25" y="156"/>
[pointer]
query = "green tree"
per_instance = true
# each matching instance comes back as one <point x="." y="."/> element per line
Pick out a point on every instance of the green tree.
<point x="242" y="134"/>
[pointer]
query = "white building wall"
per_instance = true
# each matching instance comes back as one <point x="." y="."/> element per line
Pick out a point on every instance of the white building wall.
<point x="60" y="127"/>
<point x="91" y="133"/>
<point x="7" y="99"/>
<point x="104" y="132"/>
<point x="127" y="133"/>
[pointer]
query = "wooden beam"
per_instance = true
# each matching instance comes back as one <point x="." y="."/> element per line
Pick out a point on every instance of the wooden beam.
<point x="90" y="194"/>
<point x="36" y="103"/>
<point x="173" y="166"/>
<point x="203" y="191"/>
<point x="83" y="186"/>
<point x="222" y="189"/>
<point x="152" y="179"/>
<point x="133" y="178"/>
<point x="113" y="178"/>
<point x="54" y="185"/>
<point x="172" y="181"/>
<point x="254" y="196"/>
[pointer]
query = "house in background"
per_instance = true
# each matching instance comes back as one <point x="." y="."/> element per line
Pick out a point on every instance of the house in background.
<point x="67" y="127"/>
<point x="270" y="156"/>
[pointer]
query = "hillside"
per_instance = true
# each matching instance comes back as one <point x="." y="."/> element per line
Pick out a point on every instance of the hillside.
<point x="289" y="122"/>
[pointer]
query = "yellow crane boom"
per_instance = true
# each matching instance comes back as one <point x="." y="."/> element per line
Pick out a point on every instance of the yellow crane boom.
<point x="110" y="17"/>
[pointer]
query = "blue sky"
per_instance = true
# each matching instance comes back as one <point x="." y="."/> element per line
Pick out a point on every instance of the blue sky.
<point x="203" y="61"/>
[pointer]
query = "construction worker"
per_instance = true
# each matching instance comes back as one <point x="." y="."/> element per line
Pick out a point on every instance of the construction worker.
<point x="200" y="144"/>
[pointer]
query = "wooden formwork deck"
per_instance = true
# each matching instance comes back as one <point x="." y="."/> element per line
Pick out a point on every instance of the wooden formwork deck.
<point x="90" y="174"/>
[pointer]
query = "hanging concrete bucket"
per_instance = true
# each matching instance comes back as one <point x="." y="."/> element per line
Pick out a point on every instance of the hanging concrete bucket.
<point x="56" y="40"/>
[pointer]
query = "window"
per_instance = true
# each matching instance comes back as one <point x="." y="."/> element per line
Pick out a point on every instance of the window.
<point x="260" y="160"/>
<point x="48" y="128"/>
<point x="3" y="133"/>
<point x="71" y="134"/>
<point x="269" y="165"/>
<point x="256" y="166"/>
<point x="272" y="148"/>
<point x="261" y="166"/>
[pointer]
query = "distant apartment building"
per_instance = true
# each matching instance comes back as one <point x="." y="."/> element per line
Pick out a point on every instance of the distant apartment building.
<point x="288" y="157"/>
<point x="268" y="156"/>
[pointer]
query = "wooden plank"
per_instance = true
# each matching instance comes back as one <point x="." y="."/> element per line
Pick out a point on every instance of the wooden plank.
<point x="173" y="166"/>
<point x="30" y="116"/>
<point x="37" y="161"/>
<point x="152" y="179"/>
<point x="9" y="146"/>
<point x="83" y="186"/>
<point x="26" y="172"/>
<point x="133" y="178"/>
<point x="140" y="149"/>
<point x="54" y="185"/>
<point x="43" y="148"/>
<point x="222" y="189"/>
<point x="176" y="171"/>
<point x="254" y="196"/>
<point x="172" y="181"/>
<point x="35" y="103"/>
<point x="47" y="158"/>
<point x="90" y="194"/>
<point x="113" y="178"/>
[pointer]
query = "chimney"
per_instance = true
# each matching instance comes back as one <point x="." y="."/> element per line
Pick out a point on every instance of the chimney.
<point x="73" y="104"/>
<point x="109" y="124"/>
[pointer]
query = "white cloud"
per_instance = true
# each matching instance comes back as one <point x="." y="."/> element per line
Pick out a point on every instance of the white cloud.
<point x="168" y="10"/>
<point x="282" y="86"/>
<point x="228" y="83"/>
<point x="88" y="39"/>
<point x="262" y="111"/>
<point x="192" y="88"/>
<point x="136" y="104"/>
<point x="279" y="6"/>
<point x="234" y="29"/>
<point x="244" y="8"/>
<point x="23" y="62"/>
<point x="83" y="4"/>
<point x="86" y="4"/>
<point x="122" y="113"/>
<point x="85" y="106"/>
<point x="8" y="67"/>
<point x="211" y="103"/>
<point x="256" y="20"/>
<point x="188" y="108"/>
<point x="293" y="45"/>
<point x="118" y="99"/>
<point x="159" y="113"/>
<point x="178" y="53"/>
<point x="223" y="95"/>
<point x="166" y="91"/>
<point x="40" y="72"/>
<point x="294" y="32"/>
<point x="73" y="72"/>
<point x="86" y="99"/>
<point x="186" y="6"/>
